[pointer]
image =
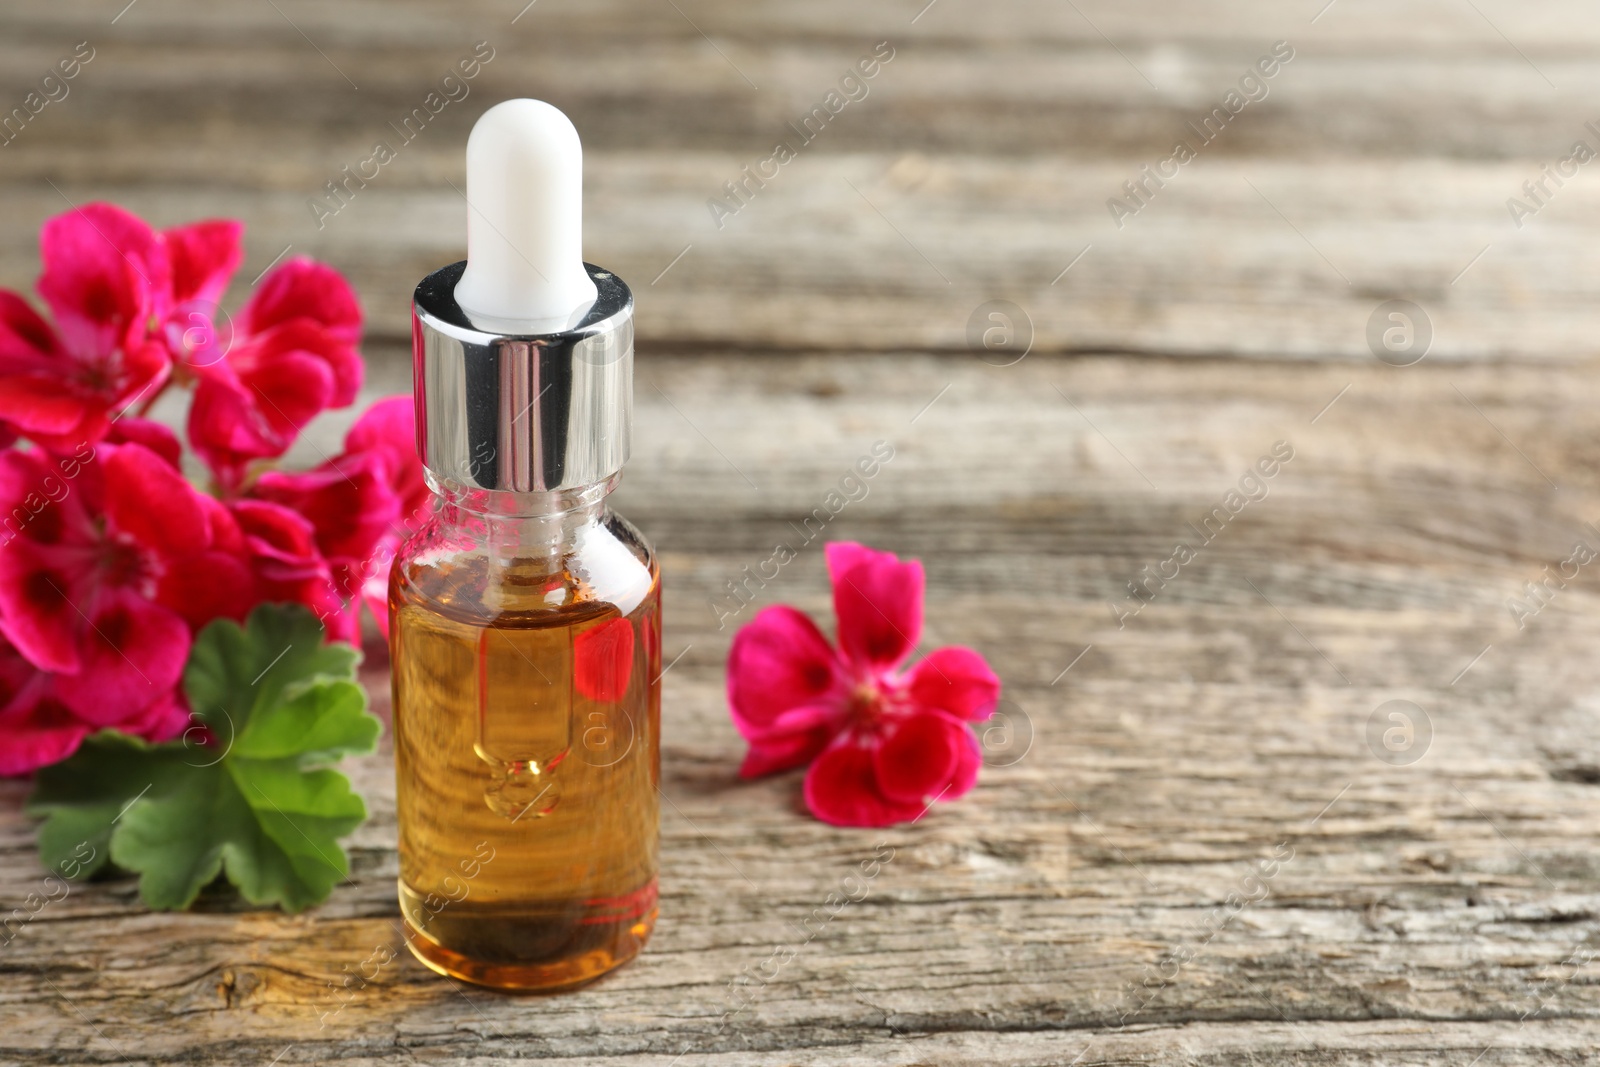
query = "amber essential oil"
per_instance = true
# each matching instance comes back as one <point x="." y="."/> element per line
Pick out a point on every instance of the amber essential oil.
<point x="526" y="718"/>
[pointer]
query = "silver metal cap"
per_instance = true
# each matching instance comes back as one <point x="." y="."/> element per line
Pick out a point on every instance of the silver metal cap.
<point x="522" y="412"/>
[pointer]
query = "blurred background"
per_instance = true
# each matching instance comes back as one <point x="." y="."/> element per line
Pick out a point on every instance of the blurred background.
<point x="977" y="165"/>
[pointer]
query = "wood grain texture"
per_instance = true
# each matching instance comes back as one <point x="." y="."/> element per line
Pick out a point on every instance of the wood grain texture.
<point x="977" y="167"/>
<point x="1443" y="912"/>
<point x="1429" y="912"/>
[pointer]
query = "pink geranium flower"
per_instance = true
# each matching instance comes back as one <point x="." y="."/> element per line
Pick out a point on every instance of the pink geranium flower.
<point x="291" y="354"/>
<point x="362" y="502"/>
<point x="110" y="560"/>
<point x="281" y="548"/>
<point x="203" y="257"/>
<point x="106" y="278"/>
<point x="37" y="727"/>
<point x="119" y="533"/>
<point x="95" y="589"/>
<point x="389" y="429"/>
<point x="886" y="743"/>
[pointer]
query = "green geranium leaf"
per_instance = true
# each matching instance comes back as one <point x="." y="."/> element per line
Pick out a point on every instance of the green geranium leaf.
<point x="233" y="671"/>
<point x="256" y="805"/>
<point x="83" y="798"/>
<point x="319" y="724"/>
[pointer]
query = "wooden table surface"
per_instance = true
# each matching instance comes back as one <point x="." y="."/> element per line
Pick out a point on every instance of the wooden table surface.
<point x="1100" y="898"/>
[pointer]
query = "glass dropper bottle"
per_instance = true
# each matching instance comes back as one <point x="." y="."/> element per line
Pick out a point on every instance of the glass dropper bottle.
<point x="525" y="614"/>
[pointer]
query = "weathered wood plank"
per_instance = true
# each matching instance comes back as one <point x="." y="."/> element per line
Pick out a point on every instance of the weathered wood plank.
<point x="982" y="160"/>
<point x="1424" y="914"/>
<point x="1214" y="270"/>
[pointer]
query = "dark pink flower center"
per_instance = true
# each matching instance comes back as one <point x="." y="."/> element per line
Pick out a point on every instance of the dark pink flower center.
<point x="99" y="302"/>
<point x="113" y="630"/>
<point x="51" y="714"/>
<point x="123" y="563"/>
<point x="44" y="590"/>
<point x="818" y="677"/>
<point x="99" y="376"/>
<point x="866" y="704"/>
<point x="48" y="525"/>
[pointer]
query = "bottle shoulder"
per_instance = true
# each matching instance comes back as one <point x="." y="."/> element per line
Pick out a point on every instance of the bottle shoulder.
<point x="628" y="534"/>
<point x="467" y="571"/>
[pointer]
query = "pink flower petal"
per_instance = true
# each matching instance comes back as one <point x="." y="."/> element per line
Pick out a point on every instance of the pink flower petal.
<point x="38" y="404"/>
<point x="349" y="502"/>
<point x="389" y="428"/>
<point x="232" y="422"/>
<point x="197" y="337"/>
<point x="36" y="730"/>
<point x="132" y="655"/>
<point x="42" y="498"/>
<point x="165" y="718"/>
<point x="282" y="552"/>
<point x="37" y="610"/>
<point x="878" y="601"/>
<point x="25" y="337"/>
<point x="225" y="428"/>
<point x="782" y="674"/>
<point x="152" y="435"/>
<point x="919" y="760"/>
<point x="274" y="381"/>
<point x="139" y="373"/>
<point x="302" y="288"/>
<point x="209" y="585"/>
<point x="282" y="540"/>
<point x="149" y="501"/>
<point x="956" y="680"/>
<point x="291" y="386"/>
<point x="258" y="358"/>
<point x="106" y="277"/>
<point x="203" y="256"/>
<point x="965" y="775"/>
<point x="841" y="788"/>
<point x="388" y="425"/>
<point x="783" y="753"/>
<point x="91" y="429"/>
<point x="226" y="536"/>
<point x="38" y="390"/>
<point x="62" y="414"/>
<point x="105" y="274"/>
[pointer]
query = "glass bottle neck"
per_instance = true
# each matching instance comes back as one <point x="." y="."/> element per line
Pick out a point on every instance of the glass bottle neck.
<point x="522" y="521"/>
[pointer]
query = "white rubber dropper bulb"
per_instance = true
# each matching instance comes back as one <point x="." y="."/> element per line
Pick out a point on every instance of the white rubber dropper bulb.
<point x="525" y="270"/>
